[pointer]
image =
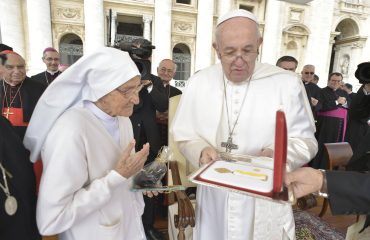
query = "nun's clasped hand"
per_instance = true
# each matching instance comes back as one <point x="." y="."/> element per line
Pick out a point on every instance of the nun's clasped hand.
<point x="129" y="164"/>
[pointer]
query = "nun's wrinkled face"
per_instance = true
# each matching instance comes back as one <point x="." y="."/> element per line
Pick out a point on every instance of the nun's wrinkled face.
<point x="120" y="101"/>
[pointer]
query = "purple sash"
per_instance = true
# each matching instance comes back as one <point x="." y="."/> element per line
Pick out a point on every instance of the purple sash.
<point x="337" y="113"/>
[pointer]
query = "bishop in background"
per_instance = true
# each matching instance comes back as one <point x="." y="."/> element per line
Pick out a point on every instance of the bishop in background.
<point x="231" y="106"/>
<point x="51" y="58"/>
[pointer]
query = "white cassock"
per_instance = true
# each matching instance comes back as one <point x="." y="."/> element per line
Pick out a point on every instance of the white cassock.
<point x="80" y="196"/>
<point x="201" y="120"/>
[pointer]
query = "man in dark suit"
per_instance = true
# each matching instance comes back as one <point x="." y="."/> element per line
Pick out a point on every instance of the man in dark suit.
<point x="348" y="192"/>
<point x="166" y="71"/>
<point x="51" y="59"/>
<point x="358" y="134"/>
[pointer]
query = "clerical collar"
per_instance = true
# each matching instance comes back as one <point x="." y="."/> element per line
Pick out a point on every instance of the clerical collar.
<point x="12" y="86"/>
<point x="231" y="83"/>
<point x="52" y="73"/>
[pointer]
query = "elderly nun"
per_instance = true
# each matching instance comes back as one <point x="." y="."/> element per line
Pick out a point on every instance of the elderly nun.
<point x="81" y="130"/>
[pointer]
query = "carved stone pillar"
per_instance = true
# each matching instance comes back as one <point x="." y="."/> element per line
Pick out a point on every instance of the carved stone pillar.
<point x="39" y="29"/>
<point x="94" y="25"/>
<point x="204" y="34"/>
<point x="11" y="25"/>
<point x="162" y="32"/>
<point x="223" y="7"/>
<point x="147" y="19"/>
<point x="113" y="27"/>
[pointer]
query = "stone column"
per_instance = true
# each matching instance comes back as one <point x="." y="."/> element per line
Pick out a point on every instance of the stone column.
<point x="320" y="24"/>
<point x="162" y="32"/>
<point x="94" y="25"/>
<point x="223" y="7"/>
<point x="272" y="32"/>
<point x="39" y="33"/>
<point x="11" y="25"/>
<point x="203" y="51"/>
<point x="113" y="27"/>
<point x="147" y="19"/>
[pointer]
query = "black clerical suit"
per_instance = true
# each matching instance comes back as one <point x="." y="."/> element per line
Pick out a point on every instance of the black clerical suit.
<point x="349" y="193"/>
<point x="358" y="133"/>
<point x="163" y="122"/>
<point x="146" y="130"/>
<point x="30" y="92"/>
<point x="45" y="77"/>
<point x="15" y="159"/>
<point x="313" y="91"/>
<point x="329" y="129"/>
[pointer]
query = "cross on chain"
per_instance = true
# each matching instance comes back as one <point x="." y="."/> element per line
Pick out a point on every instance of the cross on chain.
<point x="7" y="113"/>
<point x="229" y="145"/>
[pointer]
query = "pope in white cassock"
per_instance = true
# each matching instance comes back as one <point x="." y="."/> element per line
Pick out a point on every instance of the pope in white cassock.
<point x="82" y="130"/>
<point x="236" y="102"/>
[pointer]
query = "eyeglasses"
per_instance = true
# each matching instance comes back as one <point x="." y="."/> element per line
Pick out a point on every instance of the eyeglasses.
<point x="311" y="73"/>
<point x="165" y="70"/>
<point x="130" y="92"/>
<point x="233" y="56"/>
<point x="49" y="59"/>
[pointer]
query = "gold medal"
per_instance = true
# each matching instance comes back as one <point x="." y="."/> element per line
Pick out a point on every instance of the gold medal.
<point x="11" y="205"/>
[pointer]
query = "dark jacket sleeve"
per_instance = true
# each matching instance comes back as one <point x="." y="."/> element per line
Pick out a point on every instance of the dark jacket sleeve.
<point x="349" y="192"/>
<point x="159" y="95"/>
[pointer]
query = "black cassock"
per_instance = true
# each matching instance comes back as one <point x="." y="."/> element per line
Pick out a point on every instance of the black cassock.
<point x="331" y="122"/>
<point x="27" y="97"/>
<point x="45" y="78"/>
<point x="163" y="123"/>
<point x="15" y="159"/>
<point x="358" y="134"/>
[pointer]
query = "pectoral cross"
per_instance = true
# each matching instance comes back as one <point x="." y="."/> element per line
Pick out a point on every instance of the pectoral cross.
<point x="229" y="145"/>
<point x="7" y="113"/>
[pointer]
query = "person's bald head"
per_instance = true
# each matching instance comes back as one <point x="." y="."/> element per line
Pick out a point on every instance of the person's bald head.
<point x="13" y="69"/>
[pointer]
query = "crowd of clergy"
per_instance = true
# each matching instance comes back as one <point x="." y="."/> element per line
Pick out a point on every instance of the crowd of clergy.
<point x="68" y="118"/>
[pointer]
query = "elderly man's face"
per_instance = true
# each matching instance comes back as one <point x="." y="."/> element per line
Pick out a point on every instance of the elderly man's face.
<point x="121" y="101"/>
<point x="166" y="70"/>
<point x="51" y="60"/>
<point x="14" y="70"/>
<point x="308" y="74"/>
<point x="237" y="43"/>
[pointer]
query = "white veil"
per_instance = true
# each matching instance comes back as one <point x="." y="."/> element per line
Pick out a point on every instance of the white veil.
<point x="90" y="78"/>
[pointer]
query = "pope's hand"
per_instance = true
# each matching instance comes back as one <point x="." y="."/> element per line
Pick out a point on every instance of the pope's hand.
<point x="129" y="164"/>
<point x="304" y="181"/>
<point x="267" y="152"/>
<point x="208" y="154"/>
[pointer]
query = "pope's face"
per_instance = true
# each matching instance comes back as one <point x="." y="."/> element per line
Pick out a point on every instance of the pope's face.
<point x="237" y="43"/>
<point x="121" y="101"/>
<point x="14" y="69"/>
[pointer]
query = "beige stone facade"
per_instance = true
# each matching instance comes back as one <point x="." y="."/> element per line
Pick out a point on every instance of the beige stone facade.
<point x="332" y="35"/>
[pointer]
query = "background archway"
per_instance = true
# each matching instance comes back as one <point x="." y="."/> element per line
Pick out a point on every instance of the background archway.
<point x="182" y="57"/>
<point x="70" y="48"/>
